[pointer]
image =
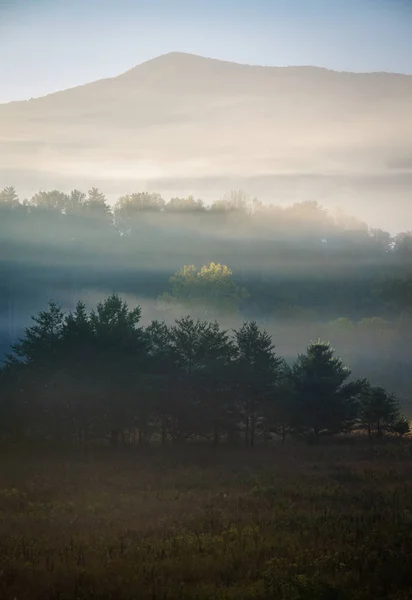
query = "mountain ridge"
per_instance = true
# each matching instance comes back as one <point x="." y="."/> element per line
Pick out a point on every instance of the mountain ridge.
<point x="184" y="56"/>
<point x="181" y="124"/>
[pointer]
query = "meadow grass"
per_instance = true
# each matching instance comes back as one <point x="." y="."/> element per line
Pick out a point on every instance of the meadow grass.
<point x="292" y="522"/>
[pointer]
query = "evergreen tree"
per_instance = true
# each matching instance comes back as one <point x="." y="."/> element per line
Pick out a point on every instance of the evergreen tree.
<point x="257" y="372"/>
<point x="401" y="426"/>
<point x="41" y="343"/>
<point x="96" y="206"/>
<point x="279" y="414"/>
<point x="120" y="357"/>
<point x="324" y="400"/>
<point x="9" y="198"/>
<point x="35" y="362"/>
<point x="379" y="410"/>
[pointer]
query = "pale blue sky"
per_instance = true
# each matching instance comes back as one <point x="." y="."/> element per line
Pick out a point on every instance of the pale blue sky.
<point x="47" y="45"/>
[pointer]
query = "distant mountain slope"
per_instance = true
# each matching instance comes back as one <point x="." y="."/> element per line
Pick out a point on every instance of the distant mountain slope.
<point x="182" y="123"/>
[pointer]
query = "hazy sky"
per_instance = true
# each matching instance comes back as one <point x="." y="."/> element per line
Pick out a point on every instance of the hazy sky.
<point x="47" y="45"/>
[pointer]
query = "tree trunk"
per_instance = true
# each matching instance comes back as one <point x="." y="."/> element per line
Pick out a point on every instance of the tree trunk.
<point x="216" y="436"/>
<point x="252" y="429"/>
<point x="247" y="430"/>
<point x="114" y="437"/>
<point x="79" y="436"/>
<point x="164" y="431"/>
<point x="231" y="437"/>
<point x="379" y="429"/>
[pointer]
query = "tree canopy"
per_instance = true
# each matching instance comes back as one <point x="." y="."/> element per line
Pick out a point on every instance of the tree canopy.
<point x="99" y="374"/>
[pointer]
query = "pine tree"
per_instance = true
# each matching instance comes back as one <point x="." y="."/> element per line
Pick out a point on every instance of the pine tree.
<point x="257" y="372"/>
<point x="324" y="400"/>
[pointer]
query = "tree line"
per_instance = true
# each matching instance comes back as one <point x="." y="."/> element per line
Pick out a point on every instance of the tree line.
<point x="291" y="259"/>
<point x="269" y="246"/>
<point x="299" y="270"/>
<point x="305" y="219"/>
<point x="89" y="376"/>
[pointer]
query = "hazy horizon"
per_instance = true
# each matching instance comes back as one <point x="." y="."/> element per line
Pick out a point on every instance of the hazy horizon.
<point x="183" y="124"/>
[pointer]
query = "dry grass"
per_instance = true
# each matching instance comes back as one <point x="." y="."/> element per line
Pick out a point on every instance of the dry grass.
<point x="294" y="522"/>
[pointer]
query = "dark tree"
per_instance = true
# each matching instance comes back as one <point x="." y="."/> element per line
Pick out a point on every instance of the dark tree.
<point x="257" y="372"/>
<point x="279" y="415"/>
<point x="379" y="411"/>
<point x="324" y="401"/>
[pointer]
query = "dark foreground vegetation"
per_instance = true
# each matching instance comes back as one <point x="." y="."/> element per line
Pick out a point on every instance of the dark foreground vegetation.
<point x="91" y="376"/>
<point x="293" y="522"/>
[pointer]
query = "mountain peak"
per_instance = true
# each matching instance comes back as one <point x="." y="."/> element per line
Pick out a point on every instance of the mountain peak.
<point x="187" y="123"/>
<point x="176" y="60"/>
<point x="185" y="60"/>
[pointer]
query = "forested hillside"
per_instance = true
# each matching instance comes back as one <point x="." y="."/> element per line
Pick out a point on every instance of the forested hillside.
<point x="301" y="272"/>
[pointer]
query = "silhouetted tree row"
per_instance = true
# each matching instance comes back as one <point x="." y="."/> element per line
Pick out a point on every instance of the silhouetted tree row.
<point x="86" y="376"/>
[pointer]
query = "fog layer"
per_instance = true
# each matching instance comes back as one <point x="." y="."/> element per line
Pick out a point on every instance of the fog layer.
<point x="184" y="124"/>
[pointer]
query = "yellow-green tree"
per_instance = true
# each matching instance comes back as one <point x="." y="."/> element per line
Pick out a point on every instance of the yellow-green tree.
<point x="210" y="291"/>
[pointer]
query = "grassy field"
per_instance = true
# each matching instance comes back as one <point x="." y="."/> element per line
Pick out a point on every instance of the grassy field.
<point x="293" y="522"/>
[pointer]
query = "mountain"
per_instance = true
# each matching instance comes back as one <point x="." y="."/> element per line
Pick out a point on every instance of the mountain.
<point x="183" y="124"/>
